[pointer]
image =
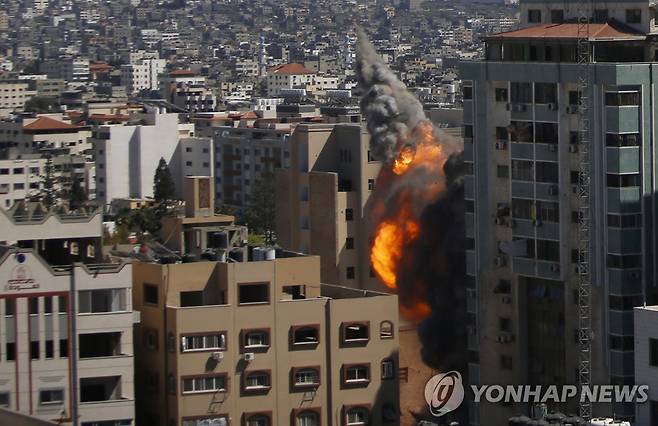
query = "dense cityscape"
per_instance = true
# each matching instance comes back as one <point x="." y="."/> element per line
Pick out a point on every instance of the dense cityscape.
<point x="331" y="212"/>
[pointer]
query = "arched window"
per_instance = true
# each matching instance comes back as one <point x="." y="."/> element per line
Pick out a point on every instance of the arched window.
<point x="386" y="330"/>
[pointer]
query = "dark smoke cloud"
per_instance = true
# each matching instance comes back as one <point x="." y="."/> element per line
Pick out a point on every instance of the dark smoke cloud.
<point x="436" y="259"/>
<point x="390" y="110"/>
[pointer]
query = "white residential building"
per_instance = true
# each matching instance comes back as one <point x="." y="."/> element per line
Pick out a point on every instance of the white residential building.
<point x="288" y="76"/>
<point x="13" y="95"/>
<point x="142" y="75"/>
<point x="128" y="155"/>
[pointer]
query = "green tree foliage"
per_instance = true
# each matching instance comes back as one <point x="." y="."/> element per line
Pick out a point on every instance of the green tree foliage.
<point x="49" y="193"/>
<point x="260" y="213"/>
<point x="77" y="195"/>
<point x="164" y="189"/>
<point x="41" y="104"/>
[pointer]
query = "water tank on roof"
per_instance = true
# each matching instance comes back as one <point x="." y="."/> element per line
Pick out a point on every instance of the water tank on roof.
<point x="257" y="254"/>
<point x="292" y="93"/>
<point x="339" y="94"/>
<point x="269" y="253"/>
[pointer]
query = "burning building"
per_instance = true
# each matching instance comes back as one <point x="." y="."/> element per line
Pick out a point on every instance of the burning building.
<point x="416" y="211"/>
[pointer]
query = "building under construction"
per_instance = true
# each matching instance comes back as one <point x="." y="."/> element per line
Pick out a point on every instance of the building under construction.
<point x="560" y="205"/>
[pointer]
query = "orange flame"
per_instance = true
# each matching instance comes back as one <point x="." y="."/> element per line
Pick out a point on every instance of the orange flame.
<point x="401" y="227"/>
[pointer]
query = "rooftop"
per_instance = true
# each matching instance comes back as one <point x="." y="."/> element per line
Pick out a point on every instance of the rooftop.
<point x="290" y="69"/>
<point x="46" y="123"/>
<point x="609" y="31"/>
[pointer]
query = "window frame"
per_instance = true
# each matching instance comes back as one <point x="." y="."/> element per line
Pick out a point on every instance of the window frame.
<point x="203" y="334"/>
<point x="246" y="417"/>
<point x="308" y="345"/>
<point x="255" y="348"/>
<point x="225" y="389"/>
<point x="157" y="289"/>
<point x="358" y="341"/>
<point x="355" y="383"/>
<point x="260" y="389"/>
<point x="297" y="412"/>
<point x="52" y="403"/>
<point x="347" y="408"/>
<point x="295" y="386"/>
<point x="391" y="362"/>
<point x="387" y="337"/>
<point x="269" y="293"/>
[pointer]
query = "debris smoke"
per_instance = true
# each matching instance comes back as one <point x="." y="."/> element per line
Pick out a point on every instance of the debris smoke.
<point x="417" y="211"/>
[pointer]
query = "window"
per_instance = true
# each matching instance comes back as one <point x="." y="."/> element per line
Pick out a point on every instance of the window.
<point x="621" y="140"/>
<point x="18" y="171"/>
<point x="349" y="243"/>
<point x="33" y="305"/>
<point x="629" y="261"/>
<point x="151" y="339"/>
<point x="623" y="181"/>
<point x="625" y="303"/>
<point x="150" y="294"/>
<point x="51" y="397"/>
<point x="356" y="374"/>
<point x="625" y="221"/>
<point x="255" y="339"/>
<point x="207" y="383"/>
<point x="371" y="184"/>
<point x="307" y="418"/>
<point x="256" y="381"/>
<point x="545" y="93"/>
<point x="34" y="349"/>
<point x="557" y="16"/>
<point x="350" y="272"/>
<point x="386" y="330"/>
<point x="521" y="92"/>
<point x="505" y="362"/>
<point x="633" y="16"/>
<point x="502" y="171"/>
<point x="622" y="343"/>
<point x="349" y="214"/>
<point x="546" y="133"/>
<point x="257" y="419"/>
<point x="523" y="170"/>
<point x="306" y="335"/>
<point x="501" y="94"/>
<point x="622" y="98"/>
<point x="356" y="416"/>
<point x="204" y="342"/>
<point x="105" y="300"/>
<point x="4" y="399"/>
<point x="63" y="348"/>
<point x="653" y="352"/>
<point x="547" y="172"/>
<point x="253" y="293"/>
<point x="305" y="377"/>
<point x="50" y="349"/>
<point x="467" y="92"/>
<point x="356" y="332"/>
<point x="534" y="16"/>
<point x="388" y="369"/>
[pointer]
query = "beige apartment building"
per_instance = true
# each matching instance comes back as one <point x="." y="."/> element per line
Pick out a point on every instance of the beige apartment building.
<point x="258" y="339"/>
<point x="66" y="340"/>
<point x="325" y="194"/>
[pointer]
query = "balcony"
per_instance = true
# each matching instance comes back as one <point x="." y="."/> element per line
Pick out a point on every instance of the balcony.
<point x="623" y="160"/>
<point x="100" y="389"/>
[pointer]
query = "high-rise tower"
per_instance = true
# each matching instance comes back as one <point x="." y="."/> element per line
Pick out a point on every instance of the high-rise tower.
<point x="522" y="143"/>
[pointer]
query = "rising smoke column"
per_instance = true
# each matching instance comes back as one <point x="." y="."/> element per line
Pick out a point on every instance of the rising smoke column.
<point x="416" y="210"/>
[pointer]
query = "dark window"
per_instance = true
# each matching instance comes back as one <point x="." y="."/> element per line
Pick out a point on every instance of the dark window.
<point x="34" y="349"/>
<point x="468" y="92"/>
<point x="349" y="214"/>
<point x="546" y="172"/>
<point x="502" y="171"/>
<point x="625" y="303"/>
<point x="633" y="16"/>
<point x="522" y="131"/>
<point x="557" y="16"/>
<point x="622" y="99"/>
<point x="504" y="324"/>
<point x="51" y="396"/>
<point x="521" y="92"/>
<point x="349" y="243"/>
<point x="574" y="98"/>
<point x="63" y="304"/>
<point x="625" y="221"/>
<point x="254" y="293"/>
<point x="548" y="250"/>
<point x="356" y="332"/>
<point x="629" y="261"/>
<point x="4" y="399"/>
<point x="546" y="133"/>
<point x="191" y="298"/>
<point x="33" y="305"/>
<point x="50" y="349"/>
<point x="622" y="343"/>
<point x="523" y="209"/>
<point x="350" y="272"/>
<point x="150" y="294"/>
<point x="617" y="140"/>
<point x="653" y="352"/>
<point x="63" y="348"/>
<point x="11" y="351"/>
<point x="306" y="335"/>
<point x="545" y="93"/>
<point x="534" y="16"/>
<point x="468" y="131"/>
<point x="506" y="362"/>
<point x="523" y="170"/>
<point x="623" y="181"/>
<point x="10" y="307"/>
<point x="48" y="305"/>
<point x="600" y="16"/>
<point x="501" y="94"/>
<point x="501" y="133"/>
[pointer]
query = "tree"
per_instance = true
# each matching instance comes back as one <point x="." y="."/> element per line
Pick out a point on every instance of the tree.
<point x="77" y="195"/>
<point x="41" y="104"/>
<point x="48" y="193"/>
<point x="164" y="189"/>
<point x="260" y="213"/>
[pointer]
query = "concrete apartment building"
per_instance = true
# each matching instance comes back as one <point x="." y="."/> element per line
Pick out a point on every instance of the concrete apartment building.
<point x="127" y="154"/>
<point x="13" y="95"/>
<point x="260" y="342"/>
<point x="43" y="133"/>
<point x="521" y="147"/>
<point x="288" y="76"/>
<point x="142" y="75"/>
<point x="22" y="177"/>
<point x="245" y="155"/>
<point x="187" y="90"/>
<point x="325" y="193"/>
<point x="67" y="350"/>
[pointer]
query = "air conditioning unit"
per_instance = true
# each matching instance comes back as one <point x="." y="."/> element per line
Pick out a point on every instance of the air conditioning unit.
<point x="572" y="109"/>
<point x="553" y="190"/>
<point x="499" y="261"/>
<point x="506" y="299"/>
<point x="552" y="147"/>
<point x="573" y="149"/>
<point x="501" y="145"/>
<point x="555" y="267"/>
<point x="536" y="223"/>
<point x="249" y="356"/>
<point x="552" y="106"/>
<point x="217" y="356"/>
